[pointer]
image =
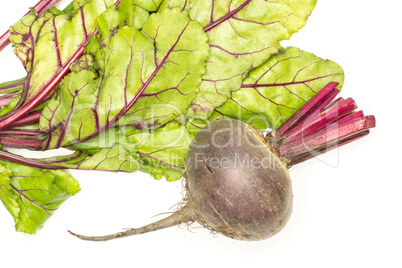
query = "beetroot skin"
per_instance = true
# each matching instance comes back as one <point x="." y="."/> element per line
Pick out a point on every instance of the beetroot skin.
<point x="239" y="187"/>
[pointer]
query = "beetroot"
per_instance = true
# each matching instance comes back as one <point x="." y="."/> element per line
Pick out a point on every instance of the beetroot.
<point x="237" y="180"/>
<point x="235" y="185"/>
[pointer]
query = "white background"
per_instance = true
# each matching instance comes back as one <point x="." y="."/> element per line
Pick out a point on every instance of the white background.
<point x="347" y="204"/>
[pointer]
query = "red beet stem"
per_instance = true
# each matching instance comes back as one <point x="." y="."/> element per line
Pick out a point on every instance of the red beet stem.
<point x="314" y="105"/>
<point x="30" y="118"/>
<point x="25" y="132"/>
<point x="323" y="119"/>
<point x="296" y="159"/>
<point x="27" y="161"/>
<point x="41" y="7"/>
<point x="320" y="126"/>
<point x="357" y="114"/>
<point x="20" y="142"/>
<point x="22" y="138"/>
<point x="331" y="133"/>
<point x="4" y="40"/>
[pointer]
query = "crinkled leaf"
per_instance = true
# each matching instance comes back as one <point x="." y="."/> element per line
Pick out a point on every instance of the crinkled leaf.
<point x="274" y="91"/>
<point x="150" y="5"/>
<point x="242" y="34"/>
<point x="74" y="101"/>
<point x="108" y="23"/>
<point x="76" y="4"/>
<point x="160" y="152"/>
<point x="163" y="73"/>
<point x="26" y="32"/>
<point x="106" y="139"/>
<point x="110" y="151"/>
<point x="163" y="150"/>
<point x="150" y="78"/>
<point x="46" y="45"/>
<point x="116" y="158"/>
<point x="32" y="195"/>
<point x="136" y="17"/>
<point x="86" y="62"/>
<point x="23" y="41"/>
<point x="115" y="17"/>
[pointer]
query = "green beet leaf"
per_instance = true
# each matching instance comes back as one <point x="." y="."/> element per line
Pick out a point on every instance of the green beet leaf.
<point x="32" y="195"/>
<point x="274" y="91"/>
<point x="115" y="159"/>
<point x="242" y="35"/>
<point x="149" y="78"/>
<point x="9" y="200"/>
<point x="23" y="37"/>
<point x="74" y="101"/>
<point x="46" y="45"/>
<point x="108" y="23"/>
<point x="115" y="17"/>
<point x="163" y="151"/>
<point x="150" y="5"/>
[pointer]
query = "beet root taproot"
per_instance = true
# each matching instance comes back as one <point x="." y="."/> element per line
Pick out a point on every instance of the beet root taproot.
<point x="235" y="185"/>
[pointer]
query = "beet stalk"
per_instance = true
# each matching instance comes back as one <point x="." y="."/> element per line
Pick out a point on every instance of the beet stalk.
<point x="320" y="130"/>
<point x="237" y="181"/>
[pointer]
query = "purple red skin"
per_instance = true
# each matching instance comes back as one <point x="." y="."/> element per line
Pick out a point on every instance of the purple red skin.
<point x="249" y="201"/>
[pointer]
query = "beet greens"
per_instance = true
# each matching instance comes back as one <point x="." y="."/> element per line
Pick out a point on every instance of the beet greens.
<point x="127" y="86"/>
